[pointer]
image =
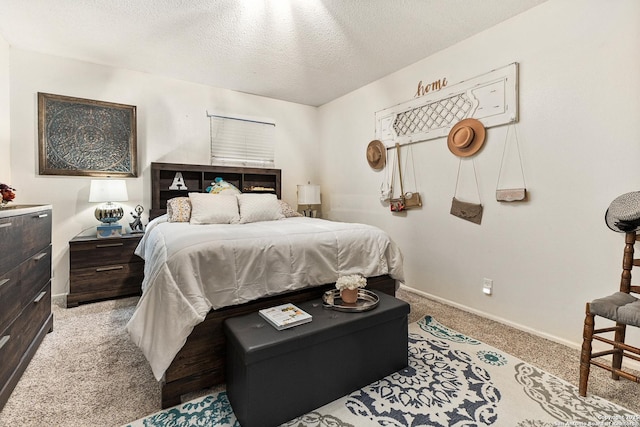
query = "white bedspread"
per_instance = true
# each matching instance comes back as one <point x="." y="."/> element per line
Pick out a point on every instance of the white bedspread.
<point x="190" y="269"/>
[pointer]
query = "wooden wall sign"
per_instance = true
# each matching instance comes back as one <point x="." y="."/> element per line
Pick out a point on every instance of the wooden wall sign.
<point x="491" y="98"/>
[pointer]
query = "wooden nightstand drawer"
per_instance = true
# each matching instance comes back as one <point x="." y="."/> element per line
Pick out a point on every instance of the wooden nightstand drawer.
<point x="101" y="278"/>
<point x="109" y="281"/>
<point x="103" y="251"/>
<point x="104" y="268"/>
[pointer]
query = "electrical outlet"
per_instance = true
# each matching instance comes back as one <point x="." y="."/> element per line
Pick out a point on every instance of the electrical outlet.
<point x="487" y="286"/>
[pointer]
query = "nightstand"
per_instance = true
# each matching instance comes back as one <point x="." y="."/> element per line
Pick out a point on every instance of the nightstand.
<point x="103" y="268"/>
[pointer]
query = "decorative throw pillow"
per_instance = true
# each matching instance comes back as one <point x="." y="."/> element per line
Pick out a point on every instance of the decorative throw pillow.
<point x="179" y="209"/>
<point x="287" y="210"/>
<point x="213" y="209"/>
<point x="259" y="207"/>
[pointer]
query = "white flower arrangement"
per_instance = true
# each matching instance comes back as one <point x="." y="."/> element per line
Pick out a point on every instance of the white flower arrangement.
<point x="352" y="281"/>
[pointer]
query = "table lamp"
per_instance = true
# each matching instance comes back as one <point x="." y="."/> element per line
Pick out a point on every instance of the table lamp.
<point x="107" y="191"/>
<point x="308" y="194"/>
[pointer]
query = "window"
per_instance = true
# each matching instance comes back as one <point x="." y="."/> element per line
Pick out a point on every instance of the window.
<point x="237" y="141"/>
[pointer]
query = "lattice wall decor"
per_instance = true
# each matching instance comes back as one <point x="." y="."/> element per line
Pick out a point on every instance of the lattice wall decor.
<point x="490" y="98"/>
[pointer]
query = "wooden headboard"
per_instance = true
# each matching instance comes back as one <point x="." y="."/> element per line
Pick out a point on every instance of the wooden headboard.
<point x="198" y="177"/>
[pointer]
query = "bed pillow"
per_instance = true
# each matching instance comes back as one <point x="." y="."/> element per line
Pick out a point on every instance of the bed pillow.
<point x="287" y="210"/>
<point x="213" y="209"/>
<point x="179" y="209"/>
<point x="259" y="207"/>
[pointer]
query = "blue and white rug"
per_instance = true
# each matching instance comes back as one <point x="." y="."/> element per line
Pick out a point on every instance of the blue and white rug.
<point x="451" y="380"/>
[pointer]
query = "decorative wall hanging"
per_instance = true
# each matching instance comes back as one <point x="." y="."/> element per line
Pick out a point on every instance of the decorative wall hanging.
<point x="513" y="194"/>
<point x="491" y="98"/>
<point x="86" y="137"/>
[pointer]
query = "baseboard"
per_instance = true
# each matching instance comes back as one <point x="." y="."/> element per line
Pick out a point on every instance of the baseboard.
<point x="577" y="346"/>
<point x="60" y="300"/>
<point x="494" y="318"/>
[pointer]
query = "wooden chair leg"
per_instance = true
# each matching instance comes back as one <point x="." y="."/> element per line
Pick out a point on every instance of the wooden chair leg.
<point x="585" y="355"/>
<point x="617" y="356"/>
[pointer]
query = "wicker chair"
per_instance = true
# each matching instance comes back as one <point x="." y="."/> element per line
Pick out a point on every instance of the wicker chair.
<point x="622" y="308"/>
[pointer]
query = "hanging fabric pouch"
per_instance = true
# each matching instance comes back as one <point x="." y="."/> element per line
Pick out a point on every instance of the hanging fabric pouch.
<point x="511" y="194"/>
<point x="397" y="205"/>
<point x="515" y="194"/>
<point x="465" y="210"/>
<point x="386" y="188"/>
<point x="412" y="200"/>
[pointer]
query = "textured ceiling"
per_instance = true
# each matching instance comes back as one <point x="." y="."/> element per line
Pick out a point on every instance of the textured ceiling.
<point x="304" y="51"/>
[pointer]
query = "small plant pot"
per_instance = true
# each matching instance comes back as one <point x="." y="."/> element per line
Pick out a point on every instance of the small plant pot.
<point x="349" y="296"/>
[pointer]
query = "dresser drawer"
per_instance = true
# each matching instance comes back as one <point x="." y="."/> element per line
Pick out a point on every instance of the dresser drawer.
<point x="21" y="285"/>
<point x="10" y="296"/>
<point x="33" y="230"/>
<point x="16" y="339"/>
<point x="102" y="252"/>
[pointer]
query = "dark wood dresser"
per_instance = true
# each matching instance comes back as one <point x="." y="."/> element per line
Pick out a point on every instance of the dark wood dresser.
<point x="103" y="268"/>
<point x="25" y="289"/>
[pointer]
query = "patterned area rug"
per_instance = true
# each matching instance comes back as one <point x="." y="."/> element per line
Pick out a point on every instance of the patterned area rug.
<point x="451" y="380"/>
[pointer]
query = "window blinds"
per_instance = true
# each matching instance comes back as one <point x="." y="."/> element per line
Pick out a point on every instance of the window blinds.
<point x="241" y="142"/>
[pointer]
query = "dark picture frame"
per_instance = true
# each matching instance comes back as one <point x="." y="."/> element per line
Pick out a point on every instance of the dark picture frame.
<point x="85" y="137"/>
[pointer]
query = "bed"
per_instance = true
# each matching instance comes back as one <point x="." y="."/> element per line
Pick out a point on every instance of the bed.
<point x="197" y="275"/>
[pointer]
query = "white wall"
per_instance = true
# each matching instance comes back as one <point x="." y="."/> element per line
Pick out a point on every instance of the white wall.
<point x="578" y="129"/>
<point x="5" y="146"/>
<point x="172" y="127"/>
<point x="579" y="137"/>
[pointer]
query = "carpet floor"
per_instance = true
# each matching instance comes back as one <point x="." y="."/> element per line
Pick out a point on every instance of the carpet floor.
<point x="88" y="373"/>
<point x="451" y="380"/>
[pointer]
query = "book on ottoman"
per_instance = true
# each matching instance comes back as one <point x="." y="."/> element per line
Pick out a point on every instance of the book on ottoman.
<point x="285" y="316"/>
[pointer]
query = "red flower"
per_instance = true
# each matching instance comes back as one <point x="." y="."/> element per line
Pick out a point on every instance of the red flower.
<point x="7" y="193"/>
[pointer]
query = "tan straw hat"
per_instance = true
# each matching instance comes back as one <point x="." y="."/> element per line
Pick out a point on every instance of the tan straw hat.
<point x="376" y="154"/>
<point x="466" y="137"/>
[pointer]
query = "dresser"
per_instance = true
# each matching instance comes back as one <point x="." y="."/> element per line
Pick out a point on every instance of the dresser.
<point x="103" y="268"/>
<point x="25" y="289"/>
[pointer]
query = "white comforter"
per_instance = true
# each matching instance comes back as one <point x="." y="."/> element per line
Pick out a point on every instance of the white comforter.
<point x="190" y="269"/>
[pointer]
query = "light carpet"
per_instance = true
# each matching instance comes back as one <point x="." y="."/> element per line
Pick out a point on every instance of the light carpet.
<point x="451" y="380"/>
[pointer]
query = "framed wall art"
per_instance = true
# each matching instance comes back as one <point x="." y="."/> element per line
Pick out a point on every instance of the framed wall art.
<point x="85" y="137"/>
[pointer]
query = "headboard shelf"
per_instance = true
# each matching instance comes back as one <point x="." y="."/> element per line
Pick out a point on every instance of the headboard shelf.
<point x="198" y="177"/>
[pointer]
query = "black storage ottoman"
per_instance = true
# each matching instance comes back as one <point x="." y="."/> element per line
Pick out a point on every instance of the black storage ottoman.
<point x="274" y="376"/>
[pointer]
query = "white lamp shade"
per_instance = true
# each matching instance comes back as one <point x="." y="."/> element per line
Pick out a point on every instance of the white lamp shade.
<point x="308" y="194"/>
<point x="108" y="190"/>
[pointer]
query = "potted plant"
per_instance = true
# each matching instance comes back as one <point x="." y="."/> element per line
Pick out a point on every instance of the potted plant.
<point x="349" y="286"/>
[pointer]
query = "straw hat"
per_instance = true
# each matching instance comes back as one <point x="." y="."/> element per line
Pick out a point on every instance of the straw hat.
<point x="376" y="154"/>
<point x="466" y="137"/>
<point x="623" y="214"/>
